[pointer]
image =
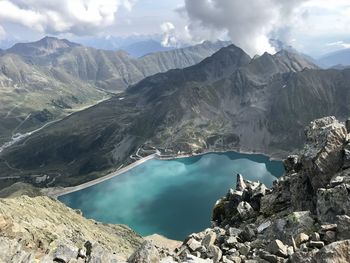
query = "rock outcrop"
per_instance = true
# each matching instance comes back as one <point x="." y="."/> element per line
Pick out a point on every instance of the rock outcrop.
<point x="305" y="217"/>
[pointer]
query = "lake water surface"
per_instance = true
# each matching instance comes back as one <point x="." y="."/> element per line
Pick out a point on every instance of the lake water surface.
<point x="171" y="197"/>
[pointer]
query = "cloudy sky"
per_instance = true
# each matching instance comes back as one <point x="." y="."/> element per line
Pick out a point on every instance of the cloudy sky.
<point x="312" y="26"/>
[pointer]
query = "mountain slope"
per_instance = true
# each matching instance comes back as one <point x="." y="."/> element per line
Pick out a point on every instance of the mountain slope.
<point x="228" y="101"/>
<point x="46" y="80"/>
<point x="32" y="228"/>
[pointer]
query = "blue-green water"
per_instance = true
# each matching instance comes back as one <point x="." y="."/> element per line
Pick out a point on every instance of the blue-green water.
<point x="174" y="197"/>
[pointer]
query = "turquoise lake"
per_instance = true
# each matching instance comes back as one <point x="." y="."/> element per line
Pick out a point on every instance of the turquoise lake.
<point x="171" y="197"/>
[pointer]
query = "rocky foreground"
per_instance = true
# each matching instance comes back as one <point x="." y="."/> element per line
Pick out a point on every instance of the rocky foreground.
<point x="304" y="218"/>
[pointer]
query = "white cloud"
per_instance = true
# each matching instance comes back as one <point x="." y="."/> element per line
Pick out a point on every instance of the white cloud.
<point x="171" y="36"/>
<point x="338" y="44"/>
<point x="80" y="17"/>
<point x="249" y="24"/>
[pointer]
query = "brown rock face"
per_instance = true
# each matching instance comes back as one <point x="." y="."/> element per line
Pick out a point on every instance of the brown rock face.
<point x="323" y="153"/>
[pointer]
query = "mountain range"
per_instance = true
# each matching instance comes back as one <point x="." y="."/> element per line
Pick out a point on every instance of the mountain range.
<point x="227" y="101"/>
<point x="340" y="58"/>
<point x="46" y="80"/>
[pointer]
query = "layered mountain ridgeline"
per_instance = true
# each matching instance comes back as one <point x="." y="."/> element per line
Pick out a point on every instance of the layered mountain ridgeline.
<point x="228" y="101"/>
<point x="50" y="78"/>
<point x="304" y="218"/>
<point x="340" y="58"/>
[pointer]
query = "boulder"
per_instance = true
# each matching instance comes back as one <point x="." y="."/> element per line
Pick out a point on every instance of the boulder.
<point x="277" y="248"/>
<point x="209" y="239"/>
<point x="235" y="232"/>
<point x="292" y="164"/>
<point x="303" y="257"/>
<point x="248" y="233"/>
<point x="263" y="226"/>
<point x="343" y="227"/>
<point x="146" y="253"/>
<point x="245" y="210"/>
<point x="315" y="236"/>
<point x="301" y="238"/>
<point x="65" y="252"/>
<point x="329" y="237"/>
<point x="323" y="152"/>
<point x="214" y="253"/>
<point x="193" y="244"/>
<point x="316" y="244"/>
<point x="332" y="202"/>
<point x="346" y="163"/>
<point x="336" y="252"/>
<point x="240" y="184"/>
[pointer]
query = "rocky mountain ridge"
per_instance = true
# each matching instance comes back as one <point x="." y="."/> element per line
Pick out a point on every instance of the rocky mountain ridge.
<point x="48" y="79"/>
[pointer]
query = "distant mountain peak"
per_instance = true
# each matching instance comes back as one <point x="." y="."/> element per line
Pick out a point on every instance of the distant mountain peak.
<point x="45" y="46"/>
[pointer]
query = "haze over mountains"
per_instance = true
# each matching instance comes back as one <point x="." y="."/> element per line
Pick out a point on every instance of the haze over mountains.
<point x="48" y="79"/>
<point x="227" y="101"/>
<point x="339" y="59"/>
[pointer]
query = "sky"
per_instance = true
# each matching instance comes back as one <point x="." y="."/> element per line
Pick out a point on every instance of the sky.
<point x="314" y="27"/>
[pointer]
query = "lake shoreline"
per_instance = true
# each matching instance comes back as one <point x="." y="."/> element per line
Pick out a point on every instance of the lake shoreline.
<point x="60" y="191"/>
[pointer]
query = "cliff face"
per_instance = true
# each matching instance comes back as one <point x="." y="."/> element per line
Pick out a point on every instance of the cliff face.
<point x="305" y="217"/>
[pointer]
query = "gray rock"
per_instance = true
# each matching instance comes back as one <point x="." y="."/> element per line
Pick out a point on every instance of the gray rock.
<point x="290" y="250"/>
<point x="329" y="237"/>
<point x="214" y="253"/>
<point x="347" y="125"/>
<point x="245" y="210"/>
<point x="193" y="244"/>
<point x="316" y="244"/>
<point x="301" y="238"/>
<point x="323" y="153"/>
<point x="98" y="254"/>
<point x="244" y="249"/>
<point x="263" y="226"/>
<point x="343" y="227"/>
<point x="292" y="164"/>
<point x="336" y="252"/>
<point x="209" y="239"/>
<point x="248" y="233"/>
<point x="315" y="236"/>
<point x="303" y="257"/>
<point x="235" y="232"/>
<point x="231" y="241"/>
<point x="82" y="252"/>
<point x="333" y="202"/>
<point x="328" y="227"/>
<point x="65" y="251"/>
<point x="240" y="184"/>
<point x="269" y="257"/>
<point x="235" y="259"/>
<point x="277" y="248"/>
<point x="146" y="253"/>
